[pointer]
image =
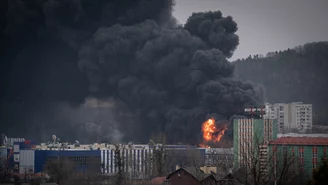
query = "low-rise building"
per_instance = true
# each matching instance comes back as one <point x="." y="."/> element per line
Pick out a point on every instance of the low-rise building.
<point x="304" y="154"/>
<point x="215" y="156"/>
<point x="181" y="177"/>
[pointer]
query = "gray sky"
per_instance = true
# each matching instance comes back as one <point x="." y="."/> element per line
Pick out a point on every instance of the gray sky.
<point x="266" y="25"/>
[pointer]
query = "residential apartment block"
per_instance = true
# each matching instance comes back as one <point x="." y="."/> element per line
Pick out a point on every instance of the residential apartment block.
<point x="292" y="117"/>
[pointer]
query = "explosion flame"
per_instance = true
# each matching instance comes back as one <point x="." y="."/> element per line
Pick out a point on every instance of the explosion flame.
<point x="211" y="133"/>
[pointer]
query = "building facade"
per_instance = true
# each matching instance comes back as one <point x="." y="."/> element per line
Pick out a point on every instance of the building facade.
<point x="301" y="135"/>
<point x="294" y="116"/>
<point x="181" y="177"/>
<point x="275" y="111"/>
<point x="251" y="137"/>
<point x="304" y="154"/>
<point x="137" y="163"/>
<point x="222" y="157"/>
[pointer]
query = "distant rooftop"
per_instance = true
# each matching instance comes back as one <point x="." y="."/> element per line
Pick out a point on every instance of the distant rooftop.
<point x="300" y="141"/>
<point x="302" y="135"/>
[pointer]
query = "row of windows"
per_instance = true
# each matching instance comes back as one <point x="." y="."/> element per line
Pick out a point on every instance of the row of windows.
<point x="301" y="150"/>
<point x="82" y="160"/>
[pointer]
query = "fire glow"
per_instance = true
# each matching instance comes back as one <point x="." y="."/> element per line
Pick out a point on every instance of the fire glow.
<point x="211" y="133"/>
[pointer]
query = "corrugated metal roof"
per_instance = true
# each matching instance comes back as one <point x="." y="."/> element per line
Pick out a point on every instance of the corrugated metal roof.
<point x="300" y="141"/>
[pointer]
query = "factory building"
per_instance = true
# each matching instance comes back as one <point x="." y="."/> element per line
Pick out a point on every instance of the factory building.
<point x="306" y="153"/>
<point x="251" y="137"/>
<point x="219" y="156"/>
<point x="23" y="157"/>
<point x="136" y="160"/>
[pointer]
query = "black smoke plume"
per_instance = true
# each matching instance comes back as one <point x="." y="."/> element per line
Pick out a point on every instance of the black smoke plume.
<point x="133" y="51"/>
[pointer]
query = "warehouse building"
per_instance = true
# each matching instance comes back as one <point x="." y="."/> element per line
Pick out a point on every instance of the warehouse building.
<point x="136" y="160"/>
<point x="34" y="161"/>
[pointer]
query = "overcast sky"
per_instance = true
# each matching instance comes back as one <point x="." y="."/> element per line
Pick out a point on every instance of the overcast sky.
<point x="266" y="25"/>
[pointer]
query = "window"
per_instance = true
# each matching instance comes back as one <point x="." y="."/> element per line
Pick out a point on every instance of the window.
<point x="314" y="157"/>
<point x="284" y="149"/>
<point x="315" y="152"/>
<point x="301" y="151"/>
<point x="301" y="155"/>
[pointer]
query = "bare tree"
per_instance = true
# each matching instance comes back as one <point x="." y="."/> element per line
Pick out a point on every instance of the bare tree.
<point x="119" y="160"/>
<point x="60" y="170"/>
<point x="320" y="175"/>
<point x="89" y="174"/>
<point x="158" y="138"/>
<point x="287" y="168"/>
<point x="159" y="161"/>
<point x="3" y="169"/>
<point x="259" y="164"/>
<point x="222" y="158"/>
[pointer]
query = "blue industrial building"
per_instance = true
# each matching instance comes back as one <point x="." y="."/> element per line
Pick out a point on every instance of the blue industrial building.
<point x="80" y="158"/>
<point x="22" y="158"/>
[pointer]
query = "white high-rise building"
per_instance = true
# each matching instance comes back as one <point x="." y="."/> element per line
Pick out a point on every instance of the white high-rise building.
<point x="291" y="117"/>
<point x="276" y="111"/>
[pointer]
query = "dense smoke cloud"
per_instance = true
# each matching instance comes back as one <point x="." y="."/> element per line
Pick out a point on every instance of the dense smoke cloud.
<point x="171" y="76"/>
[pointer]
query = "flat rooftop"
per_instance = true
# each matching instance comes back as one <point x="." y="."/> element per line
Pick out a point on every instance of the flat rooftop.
<point x="322" y="141"/>
<point x="302" y="135"/>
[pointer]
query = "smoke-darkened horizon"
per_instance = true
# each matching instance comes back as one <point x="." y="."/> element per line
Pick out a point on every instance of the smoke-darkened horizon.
<point x="57" y="53"/>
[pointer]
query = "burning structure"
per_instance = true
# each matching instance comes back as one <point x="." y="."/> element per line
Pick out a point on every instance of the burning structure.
<point x="212" y="132"/>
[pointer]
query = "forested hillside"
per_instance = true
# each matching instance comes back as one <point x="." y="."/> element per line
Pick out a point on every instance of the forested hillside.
<point x="299" y="74"/>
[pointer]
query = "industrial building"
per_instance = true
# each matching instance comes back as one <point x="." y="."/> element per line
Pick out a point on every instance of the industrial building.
<point x="222" y="157"/>
<point x="292" y="117"/>
<point x="306" y="153"/>
<point x="251" y="137"/>
<point x="136" y="160"/>
<point x="23" y="158"/>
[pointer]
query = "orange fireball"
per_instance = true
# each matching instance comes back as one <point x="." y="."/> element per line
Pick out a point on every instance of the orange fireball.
<point x="210" y="132"/>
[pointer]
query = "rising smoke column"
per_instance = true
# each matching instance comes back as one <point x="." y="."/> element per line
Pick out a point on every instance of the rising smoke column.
<point x="39" y="43"/>
<point x="174" y="76"/>
<point x="132" y="51"/>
